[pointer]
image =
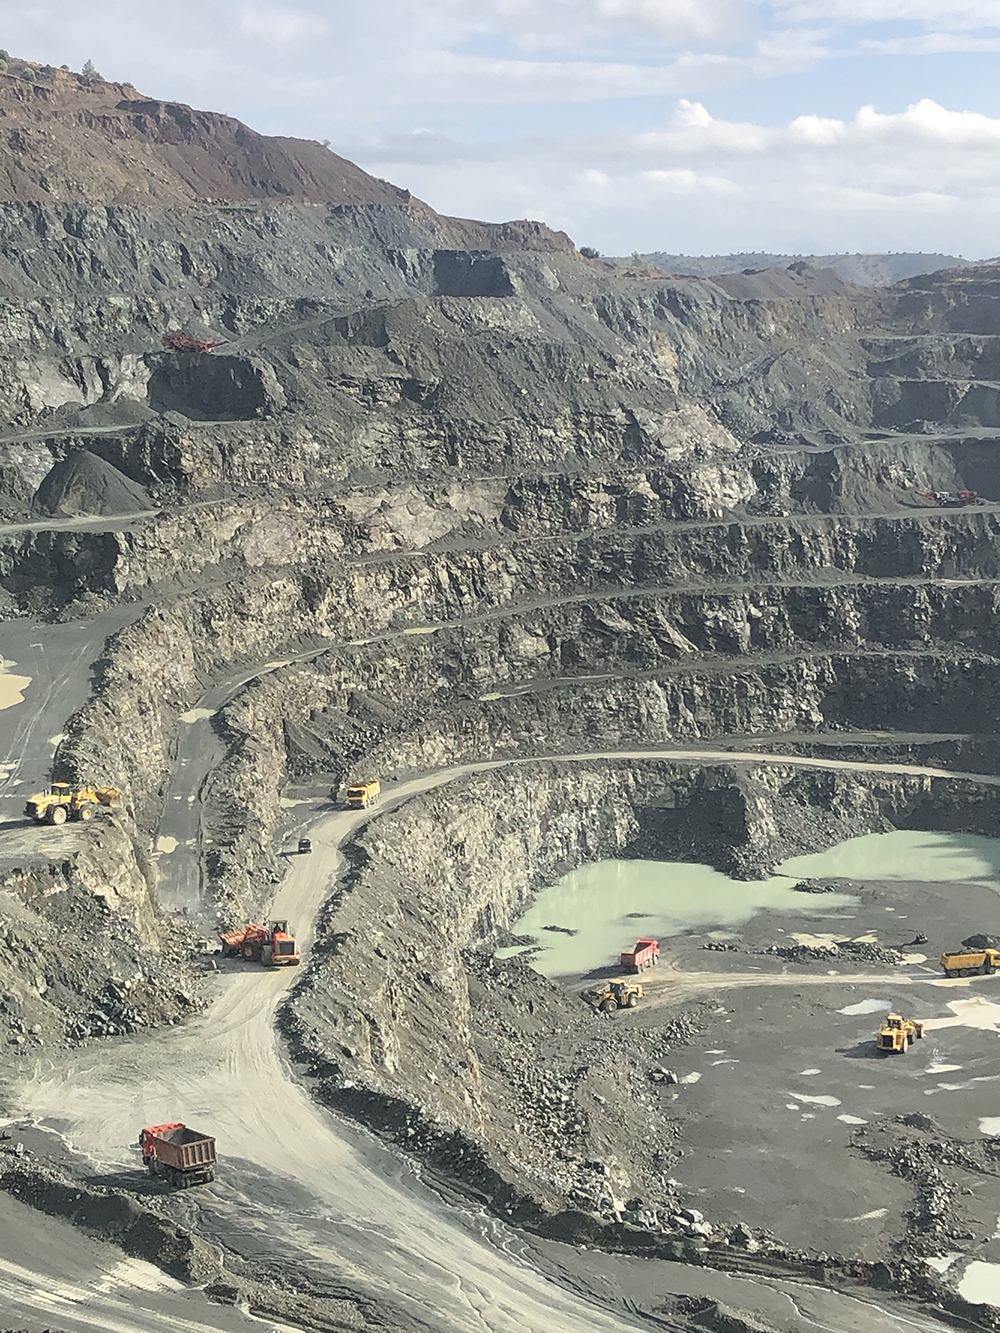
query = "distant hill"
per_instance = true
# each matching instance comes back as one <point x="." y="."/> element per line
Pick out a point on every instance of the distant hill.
<point x="866" y="270"/>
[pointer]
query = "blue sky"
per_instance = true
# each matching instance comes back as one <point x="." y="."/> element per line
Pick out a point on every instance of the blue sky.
<point x="698" y="126"/>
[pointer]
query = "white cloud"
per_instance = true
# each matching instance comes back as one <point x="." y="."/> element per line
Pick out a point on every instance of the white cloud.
<point x="942" y="13"/>
<point x="281" y="27"/>
<point x="930" y="44"/>
<point x="540" y="23"/>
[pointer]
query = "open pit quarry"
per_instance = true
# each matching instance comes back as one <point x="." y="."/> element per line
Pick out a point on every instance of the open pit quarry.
<point x="585" y="564"/>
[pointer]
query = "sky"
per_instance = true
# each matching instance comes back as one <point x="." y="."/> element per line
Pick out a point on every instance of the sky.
<point x="690" y="126"/>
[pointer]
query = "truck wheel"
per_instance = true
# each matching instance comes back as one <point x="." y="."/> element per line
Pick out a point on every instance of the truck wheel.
<point x="632" y="1001"/>
<point x="965" y="971"/>
<point x="950" y="972"/>
<point x="609" y="1006"/>
<point x="920" y="1031"/>
<point x="86" y="812"/>
<point x="251" y="952"/>
<point x="57" y="814"/>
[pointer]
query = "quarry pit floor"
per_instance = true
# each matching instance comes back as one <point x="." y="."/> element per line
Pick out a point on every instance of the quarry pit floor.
<point x="783" y="1083"/>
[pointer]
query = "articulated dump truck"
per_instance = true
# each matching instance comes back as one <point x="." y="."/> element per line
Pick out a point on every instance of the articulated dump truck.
<point x="179" y="1155"/>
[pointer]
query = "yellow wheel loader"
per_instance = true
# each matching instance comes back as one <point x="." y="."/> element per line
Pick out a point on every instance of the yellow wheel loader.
<point x="619" y="994"/>
<point x="63" y="801"/>
<point x="897" y="1035"/>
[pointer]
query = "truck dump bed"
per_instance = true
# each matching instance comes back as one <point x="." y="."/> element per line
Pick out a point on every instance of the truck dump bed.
<point x="186" y="1148"/>
<point x="179" y="1149"/>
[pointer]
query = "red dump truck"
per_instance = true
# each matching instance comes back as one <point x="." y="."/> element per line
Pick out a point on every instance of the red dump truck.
<point x="180" y="1155"/>
<point x="645" y="954"/>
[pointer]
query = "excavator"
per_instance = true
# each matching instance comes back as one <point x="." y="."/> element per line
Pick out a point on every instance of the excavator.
<point x="273" y="945"/>
<point x="63" y="801"/>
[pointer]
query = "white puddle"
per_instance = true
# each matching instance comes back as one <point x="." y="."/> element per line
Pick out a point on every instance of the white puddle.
<point x="942" y="1262"/>
<point x="815" y="1101"/>
<point x="57" y="740"/>
<point x="867" y="1007"/>
<point x="166" y="844"/>
<point x="876" y="1212"/>
<point x="856" y="1120"/>
<point x="808" y="1073"/>
<point x="197" y="715"/>
<point x="990" y="1124"/>
<point x="977" y="1012"/>
<point x="11" y="687"/>
<point x="941" y="1069"/>
<point x="792" y="1106"/>
<point x="691" y="1078"/>
<point x="981" y="1283"/>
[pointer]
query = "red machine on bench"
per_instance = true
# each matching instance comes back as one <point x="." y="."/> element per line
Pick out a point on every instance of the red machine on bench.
<point x="645" y="954"/>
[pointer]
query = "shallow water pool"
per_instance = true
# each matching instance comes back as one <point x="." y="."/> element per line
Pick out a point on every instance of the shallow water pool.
<point x="611" y="904"/>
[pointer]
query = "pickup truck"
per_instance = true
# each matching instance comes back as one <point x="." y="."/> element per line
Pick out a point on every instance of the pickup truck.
<point x="181" y="1156"/>
<point x="645" y="954"/>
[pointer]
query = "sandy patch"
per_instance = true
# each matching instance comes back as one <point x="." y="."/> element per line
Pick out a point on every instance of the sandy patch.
<point x="197" y="715"/>
<point x="942" y="1262"/>
<point x="814" y="941"/>
<point x="57" y="740"/>
<point x="165" y="844"/>
<point x="11" y="687"/>
<point x="138" y="1274"/>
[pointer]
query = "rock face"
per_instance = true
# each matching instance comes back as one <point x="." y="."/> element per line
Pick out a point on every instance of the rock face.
<point x="454" y="493"/>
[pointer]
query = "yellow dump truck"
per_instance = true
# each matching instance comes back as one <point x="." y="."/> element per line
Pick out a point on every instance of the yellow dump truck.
<point x="360" y="795"/>
<point x="982" y="962"/>
<point x="63" y="801"/>
<point x="897" y="1035"/>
